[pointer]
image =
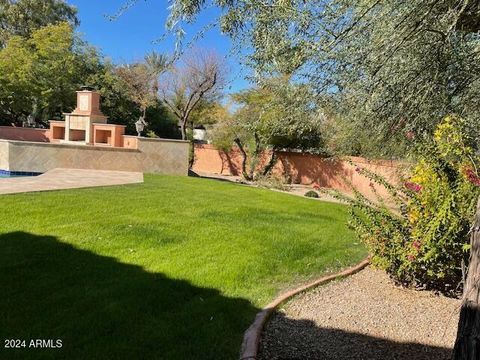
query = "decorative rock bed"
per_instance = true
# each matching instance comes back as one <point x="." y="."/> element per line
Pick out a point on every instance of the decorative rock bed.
<point x="362" y="317"/>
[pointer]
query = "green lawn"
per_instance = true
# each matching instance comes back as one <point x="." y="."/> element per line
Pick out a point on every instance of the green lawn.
<point x="174" y="268"/>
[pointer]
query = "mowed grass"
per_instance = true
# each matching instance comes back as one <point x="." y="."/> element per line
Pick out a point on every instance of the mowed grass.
<point x="174" y="268"/>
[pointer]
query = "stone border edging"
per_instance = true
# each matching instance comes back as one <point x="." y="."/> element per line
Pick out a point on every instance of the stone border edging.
<point x="251" y="337"/>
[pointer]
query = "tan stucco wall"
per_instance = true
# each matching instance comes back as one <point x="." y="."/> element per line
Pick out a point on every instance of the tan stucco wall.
<point x="165" y="156"/>
<point x="153" y="155"/>
<point x="4" y="165"/>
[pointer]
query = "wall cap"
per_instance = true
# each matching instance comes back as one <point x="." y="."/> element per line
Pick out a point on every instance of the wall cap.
<point x="110" y="125"/>
<point x="21" y="128"/>
<point x="69" y="146"/>
<point x="156" y="139"/>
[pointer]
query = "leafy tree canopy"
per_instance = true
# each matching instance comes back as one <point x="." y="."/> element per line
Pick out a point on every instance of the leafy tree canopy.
<point x="281" y="114"/>
<point x="138" y="82"/>
<point x="40" y="73"/>
<point x="22" y="17"/>
<point x="278" y="115"/>
<point x="390" y="67"/>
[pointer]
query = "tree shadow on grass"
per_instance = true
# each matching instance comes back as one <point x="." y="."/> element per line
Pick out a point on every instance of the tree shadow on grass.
<point x="293" y="339"/>
<point x="103" y="309"/>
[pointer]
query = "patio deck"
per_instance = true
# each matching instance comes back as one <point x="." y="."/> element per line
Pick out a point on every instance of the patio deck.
<point x="58" y="179"/>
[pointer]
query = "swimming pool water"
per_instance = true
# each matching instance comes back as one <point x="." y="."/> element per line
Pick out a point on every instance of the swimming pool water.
<point x="10" y="174"/>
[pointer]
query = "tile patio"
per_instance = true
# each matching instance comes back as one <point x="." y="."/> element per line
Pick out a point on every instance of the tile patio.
<point x="58" y="179"/>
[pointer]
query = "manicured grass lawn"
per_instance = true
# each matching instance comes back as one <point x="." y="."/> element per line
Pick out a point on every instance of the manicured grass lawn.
<point x="174" y="268"/>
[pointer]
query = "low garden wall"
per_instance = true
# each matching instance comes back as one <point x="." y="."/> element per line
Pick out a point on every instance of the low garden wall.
<point x="4" y="155"/>
<point x="152" y="155"/>
<point x="301" y="168"/>
<point x="24" y="134"/>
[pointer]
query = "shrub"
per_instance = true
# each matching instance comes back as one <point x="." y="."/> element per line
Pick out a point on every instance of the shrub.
<point x="423" y="242"/>
<point x="311" y="194"/>
<point x="272" y="182"/>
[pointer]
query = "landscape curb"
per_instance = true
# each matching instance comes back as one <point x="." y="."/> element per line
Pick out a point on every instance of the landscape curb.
<point x="251" y="337"/>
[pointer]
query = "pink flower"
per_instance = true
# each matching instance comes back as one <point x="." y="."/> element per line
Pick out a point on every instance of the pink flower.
<point x="411" y="257"/>
<point x="412" y="186"/>
<point x="471" y="176"/>
<point x="410" y="135"/>
<point x="416" y="244"/>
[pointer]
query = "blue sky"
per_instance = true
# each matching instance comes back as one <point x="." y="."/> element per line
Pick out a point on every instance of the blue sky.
<point x="133" y="34"/>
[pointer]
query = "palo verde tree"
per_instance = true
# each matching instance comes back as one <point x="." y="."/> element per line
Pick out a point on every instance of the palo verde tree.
<point x="389" y="67"/>
<point x="278" y="115"/>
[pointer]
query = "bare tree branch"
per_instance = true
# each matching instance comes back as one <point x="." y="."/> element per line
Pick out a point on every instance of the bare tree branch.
<point x="200" y="74"/>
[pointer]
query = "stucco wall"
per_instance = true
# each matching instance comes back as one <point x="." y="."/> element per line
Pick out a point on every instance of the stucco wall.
<point x="303" y="168"/>
<point x="130" y="142"/>
<point x="24" y="134"/>
<point x="156" y="156"/>
<point x="4" y="165"/>
<point x="164" y="156"/>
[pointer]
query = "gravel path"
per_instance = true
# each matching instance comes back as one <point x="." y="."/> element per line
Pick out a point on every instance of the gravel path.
<point x="362" y="317"/>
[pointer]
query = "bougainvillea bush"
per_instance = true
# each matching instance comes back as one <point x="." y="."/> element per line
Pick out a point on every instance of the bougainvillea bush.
<point x="422" y="240"/>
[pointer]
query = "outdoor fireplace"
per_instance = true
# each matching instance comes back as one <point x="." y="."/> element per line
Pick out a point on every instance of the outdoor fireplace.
<point x="86" y="124"/>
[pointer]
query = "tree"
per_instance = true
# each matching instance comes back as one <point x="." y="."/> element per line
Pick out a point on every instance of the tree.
<point x="138" y="81"/>
<point x="41" y="73"/>
<point x="41" y="69"/>
<point x="118" y="105"/>
<point x="208" y="112"/>
<point x="22" y="17"/>
<point x="199" y="77"/>
<point x="275" y="116"/>
<point x="389" y="67"/>
<point x="156" y="65"/>
<point x="162" y="122"/>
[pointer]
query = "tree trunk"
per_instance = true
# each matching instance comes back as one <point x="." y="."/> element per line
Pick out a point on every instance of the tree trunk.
<point x="191" y="156"/>
<point x="467" y="344"/>
<point x="256" y="153"/>
<point x="245" y="175"/>
<point x="271" y="163"/>
<point x="183" y="130"/>
<point x="192" y="148"/>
